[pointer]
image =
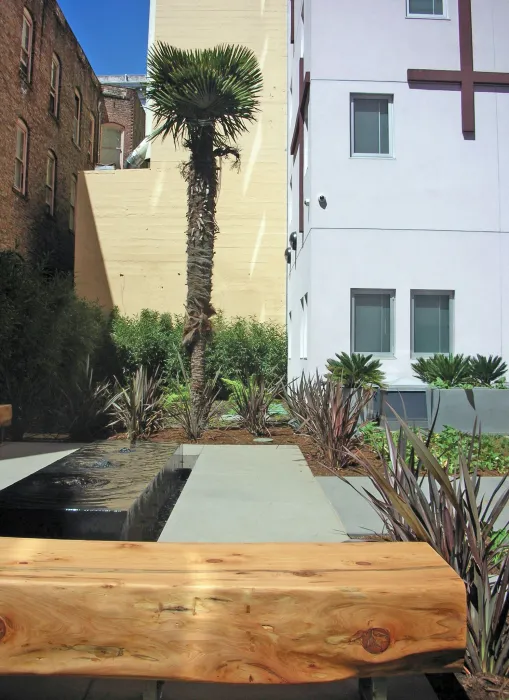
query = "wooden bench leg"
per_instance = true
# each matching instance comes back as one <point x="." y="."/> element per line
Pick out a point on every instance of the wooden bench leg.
<point x="153" y="690"/>
<point x="373" y="688"/>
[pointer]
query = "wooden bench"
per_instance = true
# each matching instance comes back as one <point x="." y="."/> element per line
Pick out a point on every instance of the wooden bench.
<point x="229" y="613"/>
<point x="5" y="419"/>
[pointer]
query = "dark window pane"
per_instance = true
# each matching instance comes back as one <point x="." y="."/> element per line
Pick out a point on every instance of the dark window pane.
<point x="372" y="323"/>
<point x="431" y="323"/>
<point x="366" y="126"/>
<point x="384" y="126"/>
<point x="439" y="7"/>
<point x="421" y="7"/>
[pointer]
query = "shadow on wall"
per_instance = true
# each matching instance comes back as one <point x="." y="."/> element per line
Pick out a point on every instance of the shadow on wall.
<point x="90" y="278"/>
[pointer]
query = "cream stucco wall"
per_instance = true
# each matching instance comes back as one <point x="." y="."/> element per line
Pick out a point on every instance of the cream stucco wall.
<point x="130" y="232"/>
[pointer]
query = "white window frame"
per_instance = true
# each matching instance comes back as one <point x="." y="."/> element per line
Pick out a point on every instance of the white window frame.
<point x="22" y="158"/>
<point x="76" y="128"/>
<point x="50" y="182"/>
<point x="91" y="138"/>
<point x="118" y="128"/>
<point x="375" y="96"/>
<point x="27" y="52"/>
<point x="444" y="15"/>
<point x="392" y="296"/>
<point x="72" y="203"/>
<point x="304" y="327"/>
<point x="431" y="292"/>
<point x="289" y="335"/>
<point x="54" y="86"/>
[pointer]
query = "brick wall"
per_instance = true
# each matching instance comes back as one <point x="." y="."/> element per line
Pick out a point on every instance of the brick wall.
<point x="122" y="106"/>
<point x="25" y="224"/>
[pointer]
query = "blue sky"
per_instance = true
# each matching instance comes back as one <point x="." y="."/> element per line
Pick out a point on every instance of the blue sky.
<point x="113" y="33"/>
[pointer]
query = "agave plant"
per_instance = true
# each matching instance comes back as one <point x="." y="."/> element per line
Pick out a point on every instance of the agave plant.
<point x="138" y="407"/>
<point x="448" y="370"/>
<point x="206" y="100"/>
<point x="355" y="370"/>
<point x="448" y="513"/>
<point x="486" y="371"/>
<point x="330" y="414"/>
<point x="252" y="402"/>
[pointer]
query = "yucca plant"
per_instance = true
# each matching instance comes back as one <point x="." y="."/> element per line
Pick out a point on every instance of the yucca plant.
<point x="356" y="370"/>
<point x="486" y="371"/>
<point x="330" y="414"/>
<point x="192" y="418"/>
<point x="138" y="407"/>
<point x="449" y="370"/>
<point x="204" y="99"/>
<point x="252" y="402"/>
<point x="418" y="501"/>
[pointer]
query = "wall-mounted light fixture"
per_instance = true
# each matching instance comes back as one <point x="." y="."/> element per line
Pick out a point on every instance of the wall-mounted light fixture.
<point x="293" y="240"/>
<point x="288" y="255"/>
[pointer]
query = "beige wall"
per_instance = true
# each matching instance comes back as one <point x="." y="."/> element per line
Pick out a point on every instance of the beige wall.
<point x="130" y="240"/>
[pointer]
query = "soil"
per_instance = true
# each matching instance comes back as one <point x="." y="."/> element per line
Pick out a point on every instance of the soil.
<point x="466" y="687"/>
<point x="283" y="435"/>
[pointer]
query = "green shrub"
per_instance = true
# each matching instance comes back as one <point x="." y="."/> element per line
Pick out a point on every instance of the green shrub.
<point x="448" y="371"/>
<point x="243" y="347"/>
<point x="150" y="340"/>
<point x="356" y="371"/>
<point x="46" y="336"/>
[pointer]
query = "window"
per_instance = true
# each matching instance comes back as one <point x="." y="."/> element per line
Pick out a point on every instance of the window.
<point x="77" y="118"/>
<point x="426" y="8"/>
<point x="304" y="328"/>
<point x="112" y="145"/>
<point x="91" y="139"/>
<point x="371" y="125"/>
<point x="27" y="40"/>
<point x="431" y="322"/>
<point x="54" y="88"/>
<point x="372" y="321"/>
<point x="20" y="163"/>
<point x="51" y="170"/>
<point x="72" y="200"/>
<point x="289" y="335"/>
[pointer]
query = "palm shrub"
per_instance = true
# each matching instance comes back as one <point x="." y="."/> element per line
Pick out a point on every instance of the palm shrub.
<point x="487" y="371"/>
<point x="448" y="513"/>
<point x="252" y="402"/>
<point x="204" y="99"/>
<point x="447" y="370"/>
<point x="330" y="414"/>
<point x="137" y="406"/>
<point x="356" y="370"/>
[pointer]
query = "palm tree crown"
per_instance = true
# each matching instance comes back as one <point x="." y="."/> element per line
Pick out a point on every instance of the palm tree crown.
<point x="193" y="89"/>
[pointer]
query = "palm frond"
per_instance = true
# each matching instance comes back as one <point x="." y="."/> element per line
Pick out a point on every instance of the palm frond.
<point x="190" y="90"/>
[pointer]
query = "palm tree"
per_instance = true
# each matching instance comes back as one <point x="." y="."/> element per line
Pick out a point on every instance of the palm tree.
<point x="205" y="99"/>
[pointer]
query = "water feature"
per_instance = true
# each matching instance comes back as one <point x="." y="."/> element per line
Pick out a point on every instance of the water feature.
<point x="104" y="491"/>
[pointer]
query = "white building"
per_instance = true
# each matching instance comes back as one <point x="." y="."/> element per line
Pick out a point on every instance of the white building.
<point x="398" y="180"/>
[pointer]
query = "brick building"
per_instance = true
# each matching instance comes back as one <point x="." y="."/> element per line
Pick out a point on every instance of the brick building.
<point x="122" y="124"/>
<point x="49" y="117"/>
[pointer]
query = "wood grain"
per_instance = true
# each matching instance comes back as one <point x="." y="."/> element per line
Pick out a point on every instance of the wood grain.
<point x="257" y="613"/>
<point x="5" y="415"/>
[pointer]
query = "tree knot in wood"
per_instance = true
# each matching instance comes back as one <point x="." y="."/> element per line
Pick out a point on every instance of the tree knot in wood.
<point x="375" y="640"/>
<point x="3" y="628"/>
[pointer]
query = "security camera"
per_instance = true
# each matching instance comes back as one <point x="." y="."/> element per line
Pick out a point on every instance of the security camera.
<point x="322" y="199"/>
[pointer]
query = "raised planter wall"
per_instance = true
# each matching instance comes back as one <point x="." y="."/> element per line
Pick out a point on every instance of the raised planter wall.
<point x="460" y="407"/>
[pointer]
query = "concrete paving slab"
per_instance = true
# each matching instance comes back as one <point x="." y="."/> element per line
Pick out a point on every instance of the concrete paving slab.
<point x="252" y="494"/>
<point x="31" y="688"/>
<point x="20" y="459"/>
<point x="360" y="518"/>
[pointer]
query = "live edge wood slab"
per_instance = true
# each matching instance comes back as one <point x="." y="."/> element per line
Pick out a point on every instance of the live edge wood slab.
<point x="246" y="613"/>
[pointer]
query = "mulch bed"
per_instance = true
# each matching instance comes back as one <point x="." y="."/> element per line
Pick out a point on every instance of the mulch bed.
<point x="466" y="687"/>
<point x="283" y="435"/>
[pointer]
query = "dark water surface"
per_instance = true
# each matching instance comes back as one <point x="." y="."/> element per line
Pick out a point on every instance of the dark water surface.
<point x="102" y="491"/>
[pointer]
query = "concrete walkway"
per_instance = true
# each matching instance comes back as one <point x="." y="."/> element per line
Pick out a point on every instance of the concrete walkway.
<point x="20" y="459"/>
<point x="361" y="519"/>
<point x="252" y="494"/>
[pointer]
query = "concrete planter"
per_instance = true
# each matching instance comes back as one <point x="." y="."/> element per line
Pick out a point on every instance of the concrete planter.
<point x="460" y="407"/>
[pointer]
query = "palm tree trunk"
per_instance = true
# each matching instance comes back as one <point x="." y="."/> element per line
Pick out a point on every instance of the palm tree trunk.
<point x="202" y="178"/>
